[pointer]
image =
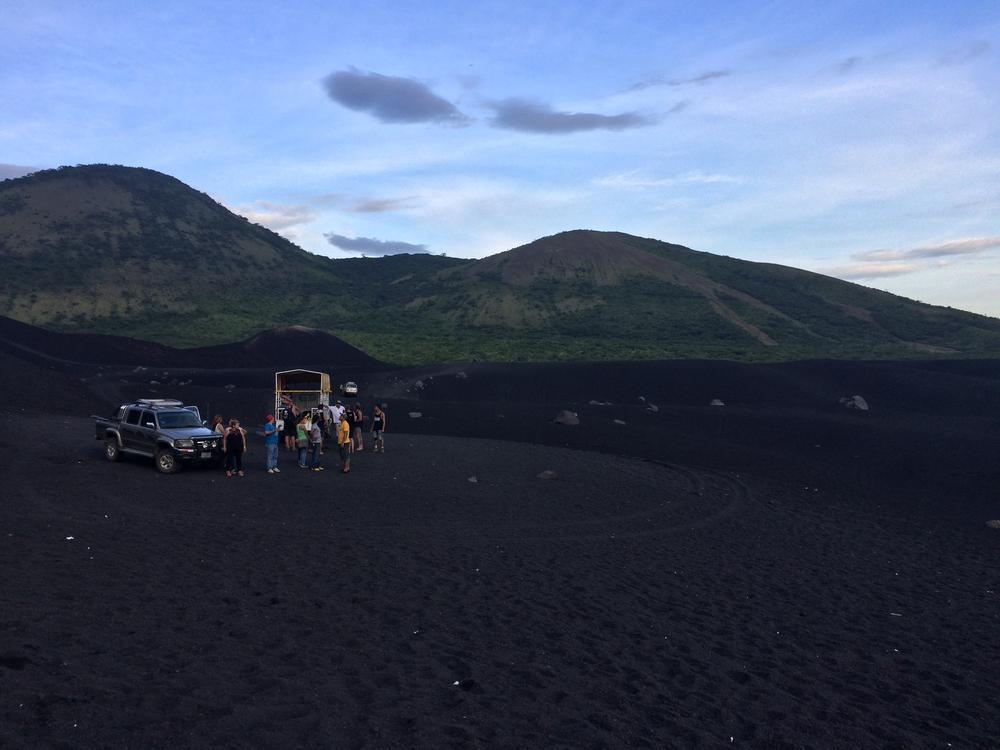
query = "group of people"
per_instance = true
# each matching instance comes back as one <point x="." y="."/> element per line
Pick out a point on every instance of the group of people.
<point x="306" y="432"/>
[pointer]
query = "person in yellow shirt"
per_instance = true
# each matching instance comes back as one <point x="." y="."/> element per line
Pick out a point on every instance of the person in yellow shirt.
<point x="344" y="444"/>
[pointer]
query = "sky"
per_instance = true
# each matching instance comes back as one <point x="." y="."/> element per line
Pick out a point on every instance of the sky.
<point x="856" y="139"/>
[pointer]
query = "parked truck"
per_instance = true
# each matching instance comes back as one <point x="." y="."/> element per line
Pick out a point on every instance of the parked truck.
<point x="165" y="430"/>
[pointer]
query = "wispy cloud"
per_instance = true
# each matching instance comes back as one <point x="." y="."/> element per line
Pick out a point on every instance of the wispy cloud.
<point x="696" y="80"/>
<point x="390" y="99"/>
<point x="636" y="179"/>
<point x="881" y="263"/>
<point x="965" y="53"/>
<point x="536" y="117"/>
<point x="872" y="270"/>
<point x="378" y="205"/>
<point x="372" y="246"/>
<point x="848" y="64"/>
<point x="10" y="171"/>
<point x="970" y="246"/>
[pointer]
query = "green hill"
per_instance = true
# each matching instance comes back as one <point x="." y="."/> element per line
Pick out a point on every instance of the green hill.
<point x="110" y="249"/>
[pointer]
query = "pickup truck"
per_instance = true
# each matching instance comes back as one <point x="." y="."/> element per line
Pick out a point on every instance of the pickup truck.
<point x="165" y="430"/>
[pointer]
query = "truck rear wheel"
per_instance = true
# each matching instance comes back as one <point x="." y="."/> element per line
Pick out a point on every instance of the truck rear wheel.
<point x="166" y="462"/>
<point x="111" y="450"/>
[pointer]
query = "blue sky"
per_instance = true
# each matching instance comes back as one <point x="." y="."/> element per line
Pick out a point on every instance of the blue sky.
<point x="857" y="139"/>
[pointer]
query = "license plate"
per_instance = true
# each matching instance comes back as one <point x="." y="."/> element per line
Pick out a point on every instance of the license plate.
<point x="206" y="454"/>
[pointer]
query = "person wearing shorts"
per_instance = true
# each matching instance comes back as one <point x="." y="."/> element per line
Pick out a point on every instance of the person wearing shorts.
<point x="378" y="427"/>
<point x="291" y="413"/>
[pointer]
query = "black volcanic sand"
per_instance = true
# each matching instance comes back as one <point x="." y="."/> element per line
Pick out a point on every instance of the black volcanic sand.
<point x="775" y="573"/>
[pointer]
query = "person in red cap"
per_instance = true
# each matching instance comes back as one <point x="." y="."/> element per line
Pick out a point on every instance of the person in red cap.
<point x="271" y="444"/>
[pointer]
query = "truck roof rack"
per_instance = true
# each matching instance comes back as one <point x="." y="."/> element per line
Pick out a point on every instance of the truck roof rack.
<point x="160" y="402"/>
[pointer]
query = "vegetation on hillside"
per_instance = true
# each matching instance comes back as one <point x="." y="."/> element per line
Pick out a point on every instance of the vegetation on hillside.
<point x="131" y="251"/>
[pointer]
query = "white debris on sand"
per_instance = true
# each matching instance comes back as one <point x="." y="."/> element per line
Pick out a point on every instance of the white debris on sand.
<point x="567" y="417"/>
<point x="854" y="402"/>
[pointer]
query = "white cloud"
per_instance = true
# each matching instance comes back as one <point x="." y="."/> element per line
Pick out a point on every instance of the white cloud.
<point x="275" y="215"/>
<point x="871" y="270"/>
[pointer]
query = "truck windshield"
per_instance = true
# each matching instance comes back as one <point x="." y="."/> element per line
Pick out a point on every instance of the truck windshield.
<point x="171" y="420"/>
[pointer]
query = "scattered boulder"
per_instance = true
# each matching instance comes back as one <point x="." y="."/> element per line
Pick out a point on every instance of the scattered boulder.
<point x="619" y="421"/>
<point x="567" y="417"/>
<point x="652" y="407"/>
<point x="474" y="479"/>
<point x="642" y="399"/>
<point x="548" y="474"/>
<point x="230" y="387"/>
<point x="154" y="382"/>
<point x="416" y="415"/>
<point x="716" y="402"/>
<point x="854" y="402"/>
<point x="592" y="402"/>
<point x="994" y="524"/>
<point x="418" y="385"/>
<point x="461" y="375"/>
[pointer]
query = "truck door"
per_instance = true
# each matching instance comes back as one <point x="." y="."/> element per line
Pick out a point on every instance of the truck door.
<point x="147" y="431"/>
<point x="129" y="430"/>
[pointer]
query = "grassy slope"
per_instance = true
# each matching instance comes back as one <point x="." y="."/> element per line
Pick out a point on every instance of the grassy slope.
<point x="135" y="252"/>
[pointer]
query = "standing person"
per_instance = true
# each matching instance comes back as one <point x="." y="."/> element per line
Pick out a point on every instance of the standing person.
<point x="358" y="426"/>
<point x="217" y="425"/>
<point x="319" y="418"/>
<point x="271" y="444"/>
<point x="316" y="441"/>
<point x="234" y="443"/>
<point x="327" y="421"/>
<point x="378" y="428"/>
<point x="336" y="414"/>
<point x="291" y="420"/>
<point x="348" y="419"/>
<point x="302" y="439"/>
<point x="344" y="444"/>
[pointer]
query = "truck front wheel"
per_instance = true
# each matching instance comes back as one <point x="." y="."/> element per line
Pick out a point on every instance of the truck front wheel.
<point x="166" y="462"/>
<point x="111" y="450"/>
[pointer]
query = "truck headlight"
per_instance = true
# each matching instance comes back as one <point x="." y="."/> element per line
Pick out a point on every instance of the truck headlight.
<point x="184" y="443"/>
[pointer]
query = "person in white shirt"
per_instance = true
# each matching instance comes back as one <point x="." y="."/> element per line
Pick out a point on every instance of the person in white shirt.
<point x="336" y="412"/>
